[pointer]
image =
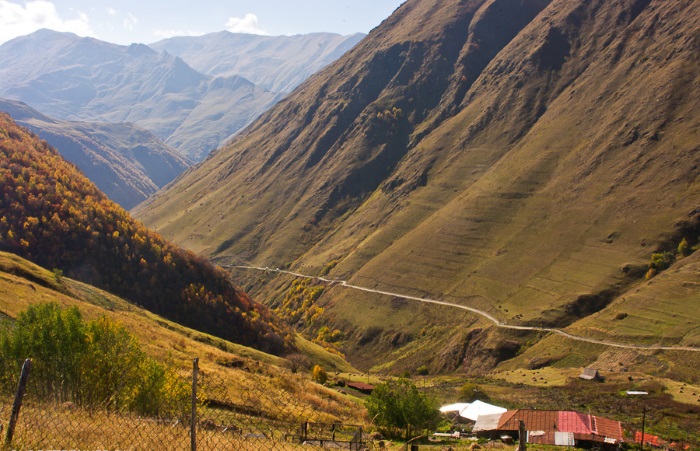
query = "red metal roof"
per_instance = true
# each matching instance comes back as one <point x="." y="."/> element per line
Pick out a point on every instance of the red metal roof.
<point x="607" y="428"/>
<point x="535" y="420"/>
<point x="583" y="426"/>
<point x="574" y="422"/>
<point x="648" y="438"/>
<point x="360" y="386"/>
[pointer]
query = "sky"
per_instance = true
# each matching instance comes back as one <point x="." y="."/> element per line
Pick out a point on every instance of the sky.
<point x="146" y="21"/>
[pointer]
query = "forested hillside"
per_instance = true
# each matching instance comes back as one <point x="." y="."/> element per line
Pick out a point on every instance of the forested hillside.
<point x="126" y="162"/>
<point x="54" y="216"/>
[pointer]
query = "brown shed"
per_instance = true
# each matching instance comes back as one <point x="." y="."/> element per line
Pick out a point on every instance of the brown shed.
<point x="361" y="386"/>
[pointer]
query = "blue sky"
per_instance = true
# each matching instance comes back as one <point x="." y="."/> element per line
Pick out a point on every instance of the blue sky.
<point x="146" y="21"/>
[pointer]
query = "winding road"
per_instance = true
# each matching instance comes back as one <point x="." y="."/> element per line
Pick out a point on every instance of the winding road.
<point x="486" y="315"/>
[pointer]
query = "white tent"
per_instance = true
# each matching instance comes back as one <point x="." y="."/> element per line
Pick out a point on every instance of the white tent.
<point x="478" y="408"/>
<point x="457" y="407"/>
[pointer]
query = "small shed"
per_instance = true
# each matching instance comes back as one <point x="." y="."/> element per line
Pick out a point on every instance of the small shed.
<point x="361" y="386"/>
<point x="590" y="374"/>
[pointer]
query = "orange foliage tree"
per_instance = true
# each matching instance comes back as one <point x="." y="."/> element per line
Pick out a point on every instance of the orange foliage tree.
<point x="52" y="214"/>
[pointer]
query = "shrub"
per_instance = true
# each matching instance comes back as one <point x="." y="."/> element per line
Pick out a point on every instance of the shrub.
<point x="319" y="375"/>
<point x="398" y="407"/>
<point x="94" y="364"/>
<point x="661" y="260"/>
<point x="684" y="248"/>
<point x="468" y="392"/>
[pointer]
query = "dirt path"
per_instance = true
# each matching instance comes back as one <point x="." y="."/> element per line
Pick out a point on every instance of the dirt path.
<point x="486" y="315"/>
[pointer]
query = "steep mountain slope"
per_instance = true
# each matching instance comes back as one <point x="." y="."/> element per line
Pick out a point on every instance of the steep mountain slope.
<point x="514" y="156"/>
<point x="126" y="163"/>
<point x="74" y="78"/>
<point x="276" y="63"/>
<point x="52" y="215"/>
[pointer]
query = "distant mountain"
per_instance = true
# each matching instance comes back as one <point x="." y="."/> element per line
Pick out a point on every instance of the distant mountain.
<point x="533" y="159"/>
<point x="54" y="216"/>
<point x="83" y="79"/>
<point x="276" y="63"/>
<point x="126" y="162"/>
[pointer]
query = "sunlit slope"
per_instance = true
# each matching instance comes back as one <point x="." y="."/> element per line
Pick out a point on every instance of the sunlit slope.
<point x="51" y="214"/>
<point x="517" y="158"/>
<point x="23" y="284"/>
<point x="662" y="311"/>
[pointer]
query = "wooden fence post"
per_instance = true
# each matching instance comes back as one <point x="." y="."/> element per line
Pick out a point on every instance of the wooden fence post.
<point x="522" y="436"/>
<point x="21" y="388"/>
<point x="193" y="418"/>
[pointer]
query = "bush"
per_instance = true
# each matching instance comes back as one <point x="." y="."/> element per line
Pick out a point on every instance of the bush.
<point x="468" y="392"/>
<point x="661" y="260"/>
<point x="422" y="370"/>
<point x="94" y="364"/>
<point x="398" y="407"/>
<point x="319" y="375"/>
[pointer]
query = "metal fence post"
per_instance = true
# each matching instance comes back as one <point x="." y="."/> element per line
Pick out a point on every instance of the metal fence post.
<point x="21" y="388"/>
<point x="193" y="418"/>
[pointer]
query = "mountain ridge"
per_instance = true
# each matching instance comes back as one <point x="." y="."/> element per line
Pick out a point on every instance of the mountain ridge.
<point x="126" y="162"/>
<point x="74" y="78"/>
<point x="259" y="58"/>
<point x="518" y="172"/>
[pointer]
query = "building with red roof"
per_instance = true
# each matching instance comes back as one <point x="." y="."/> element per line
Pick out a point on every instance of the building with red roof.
<point x="556" y="427"/>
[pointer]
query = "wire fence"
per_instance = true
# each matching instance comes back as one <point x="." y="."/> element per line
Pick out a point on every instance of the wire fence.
<point x="210" y="417"/>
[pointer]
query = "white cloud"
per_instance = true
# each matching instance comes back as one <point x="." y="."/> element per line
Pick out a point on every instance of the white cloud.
<point x="21" y="19"/>
<point x="165" y="34"/>
<point x="247" y="24"/>
<point x="129" y="22"/>
<point x="111" y="11"/>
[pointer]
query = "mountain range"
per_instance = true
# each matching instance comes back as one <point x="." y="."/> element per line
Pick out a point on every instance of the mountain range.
<point x="532" y="159"/>
<point x="84" y="79"/>
<point x="276" y="63"/>
<point x="126" y="162"/>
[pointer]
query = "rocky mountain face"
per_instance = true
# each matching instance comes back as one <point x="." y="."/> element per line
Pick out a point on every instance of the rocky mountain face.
<point x="126" y="162"/>
<point x="523" y="157"/>
<point x="275" y="63"/>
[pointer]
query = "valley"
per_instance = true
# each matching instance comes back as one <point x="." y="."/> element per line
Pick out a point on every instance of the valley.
<point x="496" y="322"/>
<point x="479" y="199"/>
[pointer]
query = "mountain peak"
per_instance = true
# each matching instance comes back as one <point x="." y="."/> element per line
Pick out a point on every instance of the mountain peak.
<point x="510" y="156"/>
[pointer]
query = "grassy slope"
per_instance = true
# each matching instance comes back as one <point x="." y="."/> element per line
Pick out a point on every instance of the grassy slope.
<point x="23" y="283"/>
<point x="560" y="166"/>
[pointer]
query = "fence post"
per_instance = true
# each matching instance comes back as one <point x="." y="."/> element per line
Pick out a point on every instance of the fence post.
<point x="522" y="436"/>
<point x="21" y="387"/>
<point x="193" y="418"/>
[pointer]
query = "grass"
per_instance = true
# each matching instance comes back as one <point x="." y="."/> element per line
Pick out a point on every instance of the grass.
<point x="254" y="371"/>
<point x="535" y="189"/>
<point x="41" y="426"/>
<point x="543" y="377"/>
<point x="663" y="310"/>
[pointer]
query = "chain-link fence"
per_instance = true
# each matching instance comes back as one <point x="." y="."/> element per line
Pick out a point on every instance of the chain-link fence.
<point x="210" y="416"/>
